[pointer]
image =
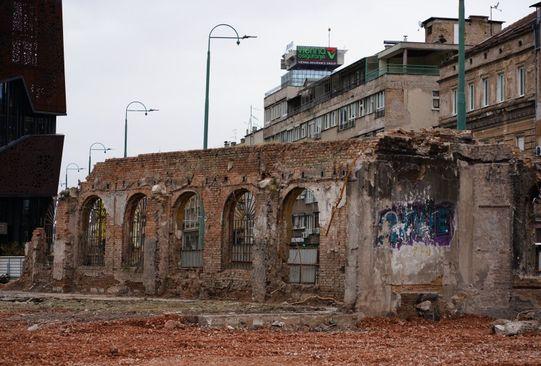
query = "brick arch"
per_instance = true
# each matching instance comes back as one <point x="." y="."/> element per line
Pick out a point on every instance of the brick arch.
<point x="93" y="229"/>
<point x="134" y="231"/>
<point x="291" y="249"/>
<point x="237" y="234"/>
<point x="188" y="236"/>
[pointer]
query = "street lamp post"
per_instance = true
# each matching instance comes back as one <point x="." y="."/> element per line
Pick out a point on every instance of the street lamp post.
<point x="461" y="92"/>
<point x="71" y="166"/>
<point x="91" y="148"/>
<point x="126" y="120"/>
<point x="238" y="38"/>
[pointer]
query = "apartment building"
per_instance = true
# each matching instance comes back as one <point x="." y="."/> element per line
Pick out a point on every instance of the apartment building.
<point x="395" y="88"/>
<point x="501" y="74"/>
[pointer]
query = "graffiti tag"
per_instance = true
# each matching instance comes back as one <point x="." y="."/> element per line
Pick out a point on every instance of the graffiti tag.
<point x="420" y="222"/>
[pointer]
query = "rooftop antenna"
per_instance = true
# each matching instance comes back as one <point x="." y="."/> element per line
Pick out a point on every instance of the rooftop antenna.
<point x="329" y="36"/>
<point x="493" y="7"/>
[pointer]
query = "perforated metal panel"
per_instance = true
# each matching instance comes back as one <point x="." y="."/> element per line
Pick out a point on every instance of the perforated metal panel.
<point x="32" y="49"/>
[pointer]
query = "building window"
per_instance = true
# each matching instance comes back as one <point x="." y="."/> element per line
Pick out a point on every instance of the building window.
<point x="241" y="236"/>
<point x="500" y="87"/>
<point x="352" y="109"/>
<point x="521" y="78"/>
<point x="361" y="108"/>
<point x="343" y="117"/>
<point x="380" y="101"/>
<point x="190" y="224"/>
<point x="454" y="101"/>
<point x="94" y="233"/>
<point x="303" y="130"/>
<point x="520" y="142"/>
<point x="334" y="116"/>
<point x="137" y="217"/>
<point x="301" y="213"/>
<point x="471" y="95"/>
<point x="278" y="110"/>
<point x="436" y="100"/>
<point x="486" y="92"/>
<point x="370" y="105"/>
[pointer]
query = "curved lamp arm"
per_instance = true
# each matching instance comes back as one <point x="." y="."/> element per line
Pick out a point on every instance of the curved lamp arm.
<point x="223" y="25"/>
<point x="136" y="102"/>
<point x="105" y="149"/>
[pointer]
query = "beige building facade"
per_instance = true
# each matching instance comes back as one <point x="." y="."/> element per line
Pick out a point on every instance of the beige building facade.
<point x="501" y="93"/>
<point x="396" y="88"/>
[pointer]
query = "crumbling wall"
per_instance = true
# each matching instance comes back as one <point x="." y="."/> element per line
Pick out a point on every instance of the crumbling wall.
<point x="401" y="215"/>
<point x="433" y="217"/>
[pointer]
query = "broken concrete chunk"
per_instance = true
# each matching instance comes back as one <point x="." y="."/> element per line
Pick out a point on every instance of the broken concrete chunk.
<point x="424" y="306"/>
<point x="512" y="328"/>
<point x="33" y="328"/>
<point x="278" y="324"/>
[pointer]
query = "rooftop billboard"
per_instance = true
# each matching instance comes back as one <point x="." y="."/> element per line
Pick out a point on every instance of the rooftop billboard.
<point x="317" y="55"/>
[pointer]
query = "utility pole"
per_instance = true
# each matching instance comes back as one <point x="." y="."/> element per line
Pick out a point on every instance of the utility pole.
<point x="461" y="94"/>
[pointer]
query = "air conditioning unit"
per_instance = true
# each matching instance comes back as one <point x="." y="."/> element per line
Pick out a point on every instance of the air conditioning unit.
<point x="538" y="151"/>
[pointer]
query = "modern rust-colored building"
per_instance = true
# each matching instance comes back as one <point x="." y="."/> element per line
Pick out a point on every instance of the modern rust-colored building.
<point x="32" y="95"/>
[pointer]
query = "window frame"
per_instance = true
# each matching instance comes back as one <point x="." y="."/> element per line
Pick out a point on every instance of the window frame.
<point x="485" y="101"/>
<point x="500" y="87"/>
<point x="521" y="81"/>
<point x="471" y="97"/>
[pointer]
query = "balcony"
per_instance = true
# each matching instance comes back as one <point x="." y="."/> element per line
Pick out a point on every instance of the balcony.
<point x="399" y="69"/>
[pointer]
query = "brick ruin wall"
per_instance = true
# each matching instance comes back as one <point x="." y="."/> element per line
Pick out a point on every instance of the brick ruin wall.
<point x="400" y="214"/>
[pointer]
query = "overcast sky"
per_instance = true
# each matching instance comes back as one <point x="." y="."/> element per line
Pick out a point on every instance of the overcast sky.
<point x="117" y="51"/>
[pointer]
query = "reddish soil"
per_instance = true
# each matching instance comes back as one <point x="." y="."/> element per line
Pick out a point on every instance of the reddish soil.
<point x="149" y="341"/>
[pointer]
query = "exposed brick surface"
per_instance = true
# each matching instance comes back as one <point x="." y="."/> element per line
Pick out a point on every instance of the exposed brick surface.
<point x="354" y="182"/>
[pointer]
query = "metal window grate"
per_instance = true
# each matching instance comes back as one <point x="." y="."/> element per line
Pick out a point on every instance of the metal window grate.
<point x="243" y="229"/>
<point x="94" y="234"/>
<point x="137" y="234"/>
<point x="191" y="255"/>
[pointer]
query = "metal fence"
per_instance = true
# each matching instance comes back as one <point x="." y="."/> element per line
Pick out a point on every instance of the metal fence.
<point x="12" y="266"/>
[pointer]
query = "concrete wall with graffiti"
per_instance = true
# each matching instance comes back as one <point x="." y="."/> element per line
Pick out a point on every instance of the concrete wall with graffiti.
<point x="424" y="223"/>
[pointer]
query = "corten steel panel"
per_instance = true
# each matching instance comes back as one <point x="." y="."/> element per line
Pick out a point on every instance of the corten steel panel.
<point x="32" y="49"/>
<point x="30" y="166"/>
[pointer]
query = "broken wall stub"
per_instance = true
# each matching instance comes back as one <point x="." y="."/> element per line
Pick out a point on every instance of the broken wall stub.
<point x="434" y="217"/>
<point x="399" y="214"/>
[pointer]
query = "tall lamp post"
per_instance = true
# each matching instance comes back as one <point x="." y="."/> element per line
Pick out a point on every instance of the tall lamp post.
<point x="145" y="110"/>
<point x="238" y="38"/>
<point x="91" y="148"/>
<point x="71" y="166"/>
<point x="461" y="93"/>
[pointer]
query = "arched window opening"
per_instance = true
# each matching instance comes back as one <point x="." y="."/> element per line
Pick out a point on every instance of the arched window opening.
<point x="242" y="228"/>
<point x="303" y="231"/>
<point x="95" y="226"/>
<point x="136" y="233"/>
<point x="190" y="221"/>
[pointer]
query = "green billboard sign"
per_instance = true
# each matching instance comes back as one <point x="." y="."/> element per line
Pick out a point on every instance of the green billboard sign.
<point x="317" y="55"/>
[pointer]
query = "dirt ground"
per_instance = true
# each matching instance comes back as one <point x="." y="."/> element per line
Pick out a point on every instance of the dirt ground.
<point x="86" y="332"/>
